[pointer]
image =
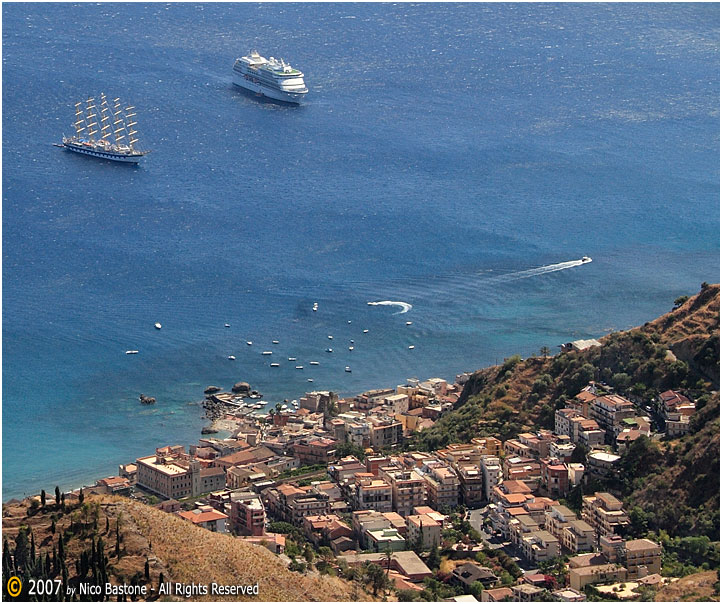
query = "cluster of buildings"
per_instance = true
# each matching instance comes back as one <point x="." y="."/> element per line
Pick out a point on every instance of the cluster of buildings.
<point x="398" y="501"/>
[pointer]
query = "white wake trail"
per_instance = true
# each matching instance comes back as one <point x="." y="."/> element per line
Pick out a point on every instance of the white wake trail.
<point x="405" y="306"/>
<point x="541" y="270"/>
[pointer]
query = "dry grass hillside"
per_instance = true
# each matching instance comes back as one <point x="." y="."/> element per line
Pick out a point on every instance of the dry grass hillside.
<point x="699" y="587"/>
<point x="180" y="551"/>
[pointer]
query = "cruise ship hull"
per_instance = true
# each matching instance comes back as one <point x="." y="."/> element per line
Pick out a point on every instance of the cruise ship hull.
<point x="277" y="95"/>
<point x="127" y="158"/>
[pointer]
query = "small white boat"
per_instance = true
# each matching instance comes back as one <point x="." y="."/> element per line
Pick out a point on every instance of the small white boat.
<point x="226" y="325"/>
<point x="294" y="403"/>
<point x="249" y="343"/>
<point x="330" y="337"/>
<point x="309" y="380"/>
<point x="315" y="306"/>
<point x="275" y="364"/>
<point x="347" y="369"/>
<point x="266" y="352"/>
<point x="409" y="322"/>
<point x="366" y="330"/>
<point x="275" y="342"/>
<point x="351" y="341"/>
<point x="284" y="407"/>
<point x="231" y="358"/>
<point x="349" y="322"/>
<point x="131" y="352"/>
<point x="411" y="347"/>
<point x="350" y="347"/>
<point x="158" y="326"/>
<point x="329" y="350"/>
<point x="299" y="366"/>
<point x="314" y="363"/>
<point x="586" y="259"/>
<point x="291" y="358"/>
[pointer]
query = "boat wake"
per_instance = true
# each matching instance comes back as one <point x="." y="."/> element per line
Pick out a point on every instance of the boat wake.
<point x="541" y="270"/>
<point x="405" y="306"/>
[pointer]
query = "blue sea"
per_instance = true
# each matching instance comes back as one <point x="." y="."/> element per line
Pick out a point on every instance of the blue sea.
<point x="458" y="158"/>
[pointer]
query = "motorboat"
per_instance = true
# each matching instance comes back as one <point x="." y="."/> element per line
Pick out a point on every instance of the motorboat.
<point x="226" y="325"/>
<point x="284" y="407"/>
<point x="314" y="363"/>
<point x="366" y="330"/>
<point x="275" y="364"/>
<point x="291" y="358"/>
<point x="266" y="352"/>
<point x="131" y="352"/>
<point x="586" y="259"/>
<point x="309" y="380"/>
<point x="329" y="350"/>
<point x="315" y="306"/>
<point x="274" y="342"/>
<point x="347" y="369"/>
<point x="330" y="337"/>
<point x="409" y="322"/>
<point x="350" y="347"/>
<point x="299" y="366"/>
<point x="158" y="326"/>
<point x="249" y="343"/>
<point x="411" y="347"/>
<point x="231" y="358"/>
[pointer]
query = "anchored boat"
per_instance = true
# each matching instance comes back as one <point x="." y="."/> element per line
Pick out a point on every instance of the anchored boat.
<point x="104" y="131"/>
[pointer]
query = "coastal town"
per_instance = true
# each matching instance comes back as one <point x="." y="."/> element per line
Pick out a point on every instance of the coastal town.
<point x="333" y="480"/>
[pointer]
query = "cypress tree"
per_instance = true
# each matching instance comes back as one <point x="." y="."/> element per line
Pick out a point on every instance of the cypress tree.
<point x="81" y="496"/>
<point x="42" y="498"/>
<point x="147" y="570"/>
<point x="52" y="526"/>
<point x="21" y="548"/>
<point x="62" y="501"/>
<point x="57" y="495"/>
<point x="32" y="548"/>
<point x="107" y="525"/>
<point x="56" y="569"/>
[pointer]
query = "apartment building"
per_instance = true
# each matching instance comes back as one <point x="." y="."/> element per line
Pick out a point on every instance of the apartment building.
<point x="578" y="537"/>
<point x="173" y="474"/>
<point x="372" y="493"/>
<point x="408" y="489"/>
<point x="603" y="511"/>
<point x="247" y="514"/>
<point x="442" y="487"/>
<point x="642" y="557"/>
<point x="609" y="411"/>
<point x="471" y="482"/>
<point x="385" y="432"/>
<point x="423" y="529"/>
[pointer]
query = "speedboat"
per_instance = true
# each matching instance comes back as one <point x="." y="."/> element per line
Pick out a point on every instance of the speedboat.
<point x="291" y="358"/>
<point x="349" y="322"/>
<point x="309" y="380"/>
<point x="158" y="326"/>
<point x="315" y="306"/>
<point x="329" y="350"/>
<point x="226" y="325"/>
<point x="249" y="343"/>
<point x="366" y="330"/>
<point x="347" y="369"/>
<point x="586" y="259"/>
<point x="330" y="337"/>
<point x="284" y="407"/>
<point x="299" y="366"/>
<point x="314" y="363"/>
<point x="267" y="352"/>
<point x="275" y="364"/>
<point x="350" y="347"/>
<point x="131" y="352"/>
<point x="411" y="347"/>
<point x="409" y="322"/>
<point x="275" y="342"/>
<point x="231" y="358"/>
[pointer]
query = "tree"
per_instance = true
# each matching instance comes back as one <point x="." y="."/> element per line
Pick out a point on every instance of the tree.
<point x="387" y="556"/>
<point x="434" y="559"/>
<point x="476" y="588"/>
<point x="681" y="300"/>
<point x="42" y="498"/>
<point x="81" y="496"/>
<point x="21" y="548"/>
<point x="544" y="351"/>
<point x="147" y="570"/>
<point x="375" y="576"/>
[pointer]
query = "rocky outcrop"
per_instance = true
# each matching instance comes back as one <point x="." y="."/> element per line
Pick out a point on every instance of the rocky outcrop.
<point x="212" y="390"/>
<point x="243" y="388"/>
<point x="146" y="400"/>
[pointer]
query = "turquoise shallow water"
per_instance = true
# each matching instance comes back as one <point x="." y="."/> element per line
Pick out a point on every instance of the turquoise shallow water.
<point x="444" y="154"/>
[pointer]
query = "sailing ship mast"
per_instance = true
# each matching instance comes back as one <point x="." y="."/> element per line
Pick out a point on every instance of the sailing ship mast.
<point x="119" y="119"/>
<point x="89" y="116"/>
<point x="130" y="124"/>
<point x="104" y="120"/>
<point x="80" y="122"/>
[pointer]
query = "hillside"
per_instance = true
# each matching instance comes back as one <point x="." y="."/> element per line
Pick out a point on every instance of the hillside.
<point x="699" y="587"/>
<point x="174" y="548"/>
<point x="676" y="483"/>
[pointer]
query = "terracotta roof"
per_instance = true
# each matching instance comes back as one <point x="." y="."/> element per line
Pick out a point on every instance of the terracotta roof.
<point x="198" y="516"/>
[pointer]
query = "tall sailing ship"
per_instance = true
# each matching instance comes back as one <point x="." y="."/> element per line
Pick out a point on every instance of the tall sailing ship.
<point x="105" y="131"/>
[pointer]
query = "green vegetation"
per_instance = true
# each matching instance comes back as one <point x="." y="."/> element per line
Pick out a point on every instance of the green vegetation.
<point x="301" y="471"/>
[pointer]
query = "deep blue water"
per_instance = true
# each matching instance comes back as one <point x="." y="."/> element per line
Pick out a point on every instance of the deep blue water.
<point x="443" y="151"/>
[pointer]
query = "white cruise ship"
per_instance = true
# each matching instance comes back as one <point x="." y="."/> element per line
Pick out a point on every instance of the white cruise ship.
<point x="272" y="78"/>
